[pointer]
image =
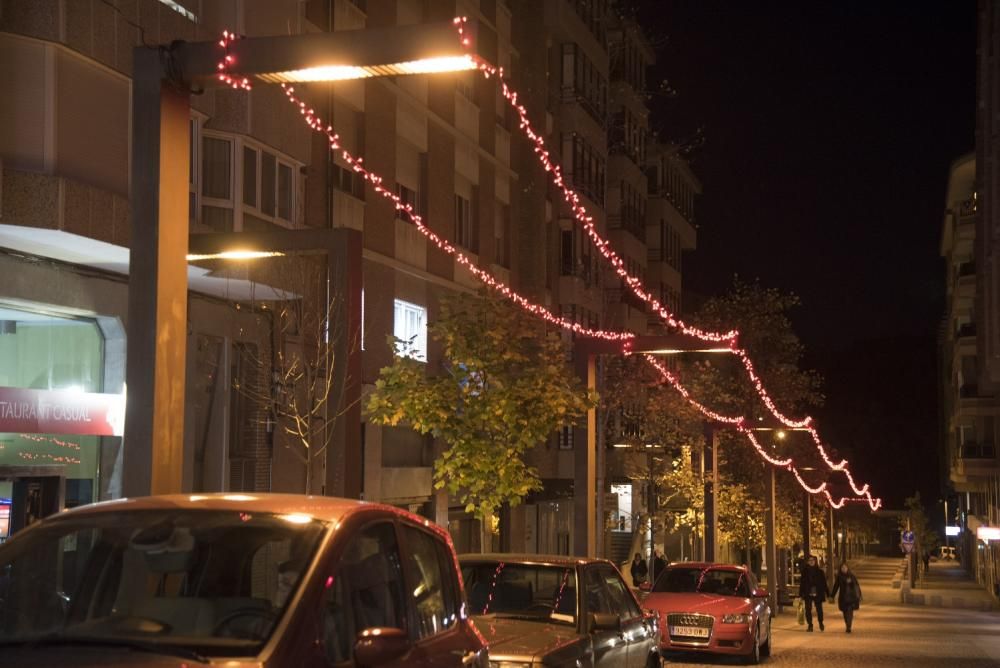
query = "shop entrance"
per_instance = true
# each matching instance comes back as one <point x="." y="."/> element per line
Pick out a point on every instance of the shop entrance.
<point x="28" y="494"/>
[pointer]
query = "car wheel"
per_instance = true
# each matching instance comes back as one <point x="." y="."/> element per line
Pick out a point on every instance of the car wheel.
<point x="753" y="658"/>
<point x="655" y="661"/>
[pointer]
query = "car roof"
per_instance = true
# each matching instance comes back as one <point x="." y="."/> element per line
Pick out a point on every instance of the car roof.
<point x="705" y="564"/>
<point x="324" y="508"/>
<point x="524" y="558"/>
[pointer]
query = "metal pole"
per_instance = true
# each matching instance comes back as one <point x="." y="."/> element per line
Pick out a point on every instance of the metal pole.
<point x="771" y="548"/>
<point x="711" y="456"/>
<point x="153" y="453"/>
<point x="829" y="545"/>
<point x="806" y="525"/>
<point x="585" y="465"/>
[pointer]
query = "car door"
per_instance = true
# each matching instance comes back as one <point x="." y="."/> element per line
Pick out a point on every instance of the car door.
<point x="609" y="645"/>
<point x="441" y="636"/>
<point x="761" y="606"/>
<point x="363" y="589"/>
<point x="637" y="629"/>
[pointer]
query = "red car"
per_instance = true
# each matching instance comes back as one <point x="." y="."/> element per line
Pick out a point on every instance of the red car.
<point x="712" y="608"/>
<point x="241" y="580"/>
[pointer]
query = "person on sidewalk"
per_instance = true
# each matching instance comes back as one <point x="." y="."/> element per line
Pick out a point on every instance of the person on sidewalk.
<point x="813" y="590"/>
<point x="659" y="565"/>
<point x="638" y="570"/>
<point x="849" y="591"/>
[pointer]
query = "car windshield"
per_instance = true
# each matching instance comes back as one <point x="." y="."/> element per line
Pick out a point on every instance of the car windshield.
<point x="722" y="581"/>
<point x="213" y="582"/>
<point x="521" y="590"/>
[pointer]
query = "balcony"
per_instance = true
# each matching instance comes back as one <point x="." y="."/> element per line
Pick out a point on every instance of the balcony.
<point x="966" y="269"/>
<point x="977" y="451"/>
<point x="624" y="296"/>
<point x="968" y="329"/>
<point x="631" y="222"/>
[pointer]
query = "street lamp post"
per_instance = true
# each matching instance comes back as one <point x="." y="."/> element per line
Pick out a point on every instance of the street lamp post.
<point x="163" y="78"/>
<point x="586" y="508"/>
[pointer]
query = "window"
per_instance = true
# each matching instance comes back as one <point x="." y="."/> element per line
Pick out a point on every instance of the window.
<point x="465" y="230"/>
<point x="267" y="169"/>
<point x="284" y="192"/>
<point x="250" y="177"/>
<point x="622" y="602"/>
<point x="501" y="227"/>
<point x="410" y="327"/>
<point x="583" y="83"/>
<point x="587" y="167"/>
<point x="429" y="579"/>
<point x="366" y="591"/>
<point x="216" y="168"/>
<point x="407" y="196"/>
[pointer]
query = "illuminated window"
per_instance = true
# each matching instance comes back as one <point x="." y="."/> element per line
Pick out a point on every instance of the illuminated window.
<point x="410" y="327"/>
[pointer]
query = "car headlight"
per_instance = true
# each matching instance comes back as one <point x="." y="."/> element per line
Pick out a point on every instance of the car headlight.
<point x="741" y="618"/>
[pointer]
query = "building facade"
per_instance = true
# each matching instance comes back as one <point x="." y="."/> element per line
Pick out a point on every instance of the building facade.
<point x="448" y="144"/>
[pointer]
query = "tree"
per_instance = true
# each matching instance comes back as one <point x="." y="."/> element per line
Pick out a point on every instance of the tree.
<point x="504" y="387"/>
<point x="927" y="540"/>
<point x="301" y="379"/>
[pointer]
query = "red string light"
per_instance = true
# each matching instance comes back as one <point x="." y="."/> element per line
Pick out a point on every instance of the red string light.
<point x="740" y="424"/>
<point x="228" y="60"/>
<point x="601" y="244"/>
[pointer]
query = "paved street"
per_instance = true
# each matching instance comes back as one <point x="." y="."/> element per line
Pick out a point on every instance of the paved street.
<point x="886" y="633"/>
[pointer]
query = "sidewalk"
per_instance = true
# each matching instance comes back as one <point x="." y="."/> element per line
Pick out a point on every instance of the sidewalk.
<point x="947" y="585"/>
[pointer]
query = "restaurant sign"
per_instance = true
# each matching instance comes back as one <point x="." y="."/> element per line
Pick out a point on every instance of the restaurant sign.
<point x="24" y="411"/>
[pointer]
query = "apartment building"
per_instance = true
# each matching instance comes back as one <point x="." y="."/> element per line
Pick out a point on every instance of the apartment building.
<point x="443" y="141"/>
<point x="969" y="403"/>
<point x="448" y="144"/>
<point x="970" y="333"/>
<point x="582" y="68"/>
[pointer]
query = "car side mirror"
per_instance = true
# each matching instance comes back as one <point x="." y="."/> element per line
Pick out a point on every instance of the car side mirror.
<point x="646" y="586"/>
<point x="759" y="592"/>
<point x="605" y="621"/>
<point x="379" y="645"/>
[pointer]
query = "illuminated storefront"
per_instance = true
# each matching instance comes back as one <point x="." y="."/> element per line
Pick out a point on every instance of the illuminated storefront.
<point x="59" y="426"/>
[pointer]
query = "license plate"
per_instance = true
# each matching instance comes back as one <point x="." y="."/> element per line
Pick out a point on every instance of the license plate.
<point x="689" y="631"/>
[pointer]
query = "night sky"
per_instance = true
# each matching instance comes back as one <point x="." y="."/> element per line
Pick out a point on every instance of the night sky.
<point x="829" y="129"/>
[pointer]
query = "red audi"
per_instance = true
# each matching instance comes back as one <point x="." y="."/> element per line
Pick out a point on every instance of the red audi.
<point x="712" y="608"/>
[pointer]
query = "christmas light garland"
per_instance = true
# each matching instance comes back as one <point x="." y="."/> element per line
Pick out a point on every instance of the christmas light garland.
<point x="601" y="244"/>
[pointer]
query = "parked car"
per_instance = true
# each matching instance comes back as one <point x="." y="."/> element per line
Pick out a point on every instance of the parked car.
<point x="245" y="580"/>
<point x="947" y="552"/>
<point x="713" y="608"/>
<point x="558" y="611"/>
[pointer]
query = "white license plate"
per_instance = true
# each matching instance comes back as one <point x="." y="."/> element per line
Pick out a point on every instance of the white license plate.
<point x="689" y="631"/>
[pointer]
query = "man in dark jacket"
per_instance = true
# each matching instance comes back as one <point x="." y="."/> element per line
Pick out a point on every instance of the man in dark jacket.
<point x="813" y="590"/>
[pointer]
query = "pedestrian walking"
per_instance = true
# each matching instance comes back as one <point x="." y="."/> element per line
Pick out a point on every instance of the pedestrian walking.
<point x="813" y="590"/>
<point x="848" y="593"/>
<point x="927" y="561"/>
<point x="638" y="570"/>
<point x="659" y="565"/>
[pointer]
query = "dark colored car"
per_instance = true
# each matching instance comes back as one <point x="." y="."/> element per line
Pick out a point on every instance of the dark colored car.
<point x="558" y="611"/>
<point x="240" y="580"/>
<point x="714" y="608"/>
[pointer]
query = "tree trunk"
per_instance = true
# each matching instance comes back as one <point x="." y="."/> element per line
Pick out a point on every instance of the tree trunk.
<point x="485" y="536"/>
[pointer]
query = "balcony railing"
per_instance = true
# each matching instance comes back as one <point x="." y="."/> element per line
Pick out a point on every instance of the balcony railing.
<point x="624" y="296"/>
<point x="977" y="451"/>
<point x="968" y="391"/>
<point x="631" y="223"/>
<point x="968" y="329"/>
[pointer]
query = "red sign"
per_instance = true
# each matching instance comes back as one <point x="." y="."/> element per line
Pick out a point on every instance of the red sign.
<point x="61" y="412"/>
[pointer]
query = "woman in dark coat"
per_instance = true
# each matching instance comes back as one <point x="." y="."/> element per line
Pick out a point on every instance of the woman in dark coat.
<point x="639" y="570"/>
<point x="849" y="591"/>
